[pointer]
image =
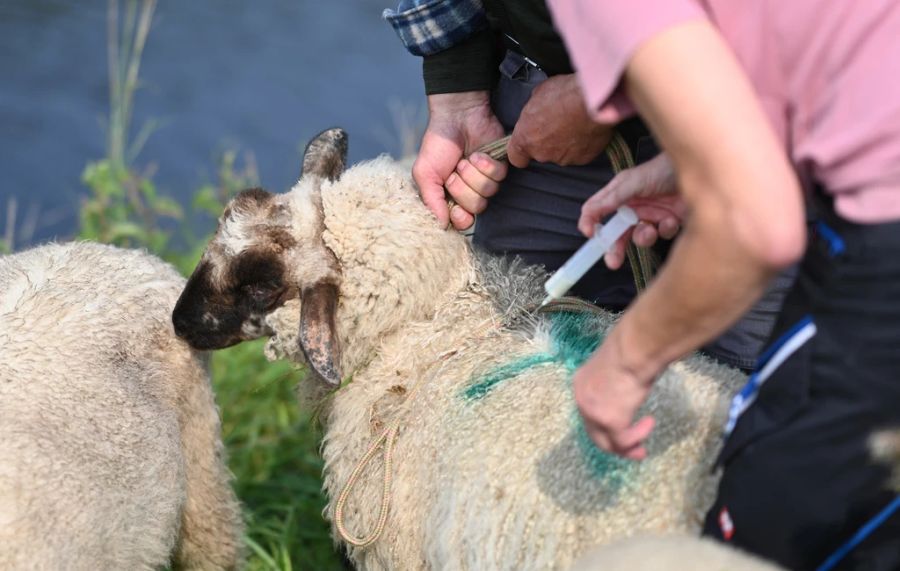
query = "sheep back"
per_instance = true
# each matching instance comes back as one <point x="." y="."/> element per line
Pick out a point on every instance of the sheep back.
<point x="672" y="553"/>
<point x="94" y="394"/>
<point x="492" y="467"/>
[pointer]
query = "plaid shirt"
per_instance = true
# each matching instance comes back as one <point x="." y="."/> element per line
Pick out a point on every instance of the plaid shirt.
<point x="429" y="26"/>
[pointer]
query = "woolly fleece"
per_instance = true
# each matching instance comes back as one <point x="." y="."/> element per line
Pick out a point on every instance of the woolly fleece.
<point x="110" y="456"/>
<point x="503" y="481"/>
<point x="672" y="553"/>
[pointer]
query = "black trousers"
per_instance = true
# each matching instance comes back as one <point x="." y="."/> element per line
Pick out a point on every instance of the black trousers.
<point x="535" y="216"/>
<point x="798" y="480"/>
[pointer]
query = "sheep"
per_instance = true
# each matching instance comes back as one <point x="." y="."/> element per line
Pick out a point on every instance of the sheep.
<point x="110" y="456"/>
<point x="670" y="553"/>
<point x="435" y="352"/>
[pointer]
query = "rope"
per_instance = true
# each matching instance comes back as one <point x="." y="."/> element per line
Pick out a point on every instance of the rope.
<point x="385" y="441"/>
<point x="387" y="438"/>
<point x="497" y="149"/>
<point x="642" y="260"/>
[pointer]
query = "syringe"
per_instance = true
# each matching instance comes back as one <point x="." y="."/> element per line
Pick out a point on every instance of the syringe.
<point x="589" y="254"/>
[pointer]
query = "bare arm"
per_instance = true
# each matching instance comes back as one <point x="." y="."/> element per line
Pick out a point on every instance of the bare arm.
<point x="745" y="222"/>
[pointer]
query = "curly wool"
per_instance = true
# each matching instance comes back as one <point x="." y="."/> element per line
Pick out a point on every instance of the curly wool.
<point x="501" y="476"/>
<point x="672" y="553"/>
<point x="110" y="456"/>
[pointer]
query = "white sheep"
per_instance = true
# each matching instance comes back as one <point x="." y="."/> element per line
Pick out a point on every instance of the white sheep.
<point x="110" y="455"/>
<point x="670" y="553"/>
<point x="491" y="466"/>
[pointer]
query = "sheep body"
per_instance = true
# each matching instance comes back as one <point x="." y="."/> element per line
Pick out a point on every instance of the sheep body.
<point x="110" y="456"/>
<point x="492" y="468"/>
<point x="670" y="553"/>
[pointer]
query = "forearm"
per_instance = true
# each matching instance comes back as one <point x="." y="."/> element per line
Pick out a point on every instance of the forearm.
<point x="708" y="282"/>
<point x="745" y="220"/>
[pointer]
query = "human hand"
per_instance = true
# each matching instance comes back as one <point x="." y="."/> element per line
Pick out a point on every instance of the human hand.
<point x="650" y="190"/>
<point x="458" y="123"/>
<point x="608" y="395"/>
<point x="554" y="127"/>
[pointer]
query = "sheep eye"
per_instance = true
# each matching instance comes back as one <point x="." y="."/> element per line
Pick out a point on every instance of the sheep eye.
<point x="257" y="290"/>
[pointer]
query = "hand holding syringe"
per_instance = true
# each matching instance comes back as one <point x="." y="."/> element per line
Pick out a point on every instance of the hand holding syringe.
<point x="589" y="254"/>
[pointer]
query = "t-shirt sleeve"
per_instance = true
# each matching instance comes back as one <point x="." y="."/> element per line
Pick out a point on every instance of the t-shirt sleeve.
<point x="603" y="35"/>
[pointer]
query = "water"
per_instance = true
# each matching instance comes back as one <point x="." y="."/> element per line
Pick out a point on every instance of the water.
<point x="260" y="76"/>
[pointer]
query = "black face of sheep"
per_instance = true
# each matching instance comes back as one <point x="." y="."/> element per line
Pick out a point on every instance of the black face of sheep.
<point x="260" y="257"/>
<point x="217" y="311"/>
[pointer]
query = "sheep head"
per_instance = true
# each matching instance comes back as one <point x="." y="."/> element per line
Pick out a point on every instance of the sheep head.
<point x="268" y="249"/>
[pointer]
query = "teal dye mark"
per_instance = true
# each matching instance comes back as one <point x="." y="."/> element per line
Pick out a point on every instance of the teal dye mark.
<point x="574" y="336"/>
<point x="482" y="387"/>
<point x="612" y="470"/>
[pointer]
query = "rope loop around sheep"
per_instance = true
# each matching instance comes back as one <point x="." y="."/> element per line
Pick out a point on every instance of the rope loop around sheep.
<point x="642" y="265"/>
<point x="385" y="442"/>
<point x="386" y="439"/>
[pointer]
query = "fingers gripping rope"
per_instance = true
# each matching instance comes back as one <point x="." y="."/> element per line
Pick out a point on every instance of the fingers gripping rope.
<point x="495" y="150"/>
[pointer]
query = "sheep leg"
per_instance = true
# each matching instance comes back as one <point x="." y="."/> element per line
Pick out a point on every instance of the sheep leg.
<point x="211" y="528"/>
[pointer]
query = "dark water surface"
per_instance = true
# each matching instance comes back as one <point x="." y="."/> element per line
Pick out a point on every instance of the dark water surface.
<point x="260" y="76"/>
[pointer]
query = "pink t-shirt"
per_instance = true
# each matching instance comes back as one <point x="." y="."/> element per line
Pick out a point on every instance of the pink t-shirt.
<point x="827" y="74"/>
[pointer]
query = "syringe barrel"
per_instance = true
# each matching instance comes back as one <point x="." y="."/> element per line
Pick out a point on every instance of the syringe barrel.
<point x="590" y="252"/>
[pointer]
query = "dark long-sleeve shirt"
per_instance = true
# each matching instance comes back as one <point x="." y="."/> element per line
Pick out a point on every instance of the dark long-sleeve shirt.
<point x="462" y="44"/>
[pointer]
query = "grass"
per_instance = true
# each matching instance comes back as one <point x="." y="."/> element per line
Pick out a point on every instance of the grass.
<point x="273" y="453"/>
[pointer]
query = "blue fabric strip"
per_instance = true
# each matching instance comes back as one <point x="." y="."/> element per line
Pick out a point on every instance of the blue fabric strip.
<point x="743" y="399"/>
<point x="774" y="347"/>
<point x="860" y="536"/>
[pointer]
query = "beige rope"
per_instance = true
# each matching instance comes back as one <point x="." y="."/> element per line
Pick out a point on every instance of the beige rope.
<point x="643" y="261"/>
<point x="495" y="150"/>
<point x="385" y="441"/>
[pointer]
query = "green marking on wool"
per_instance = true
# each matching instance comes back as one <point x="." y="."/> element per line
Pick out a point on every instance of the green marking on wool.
<point x="487" y="382"/>
<point x="615" y="471"/>
<point x="574" y="337"/>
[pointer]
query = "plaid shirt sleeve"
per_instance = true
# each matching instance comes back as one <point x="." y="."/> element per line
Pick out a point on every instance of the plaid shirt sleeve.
<point x="427" y="27"/>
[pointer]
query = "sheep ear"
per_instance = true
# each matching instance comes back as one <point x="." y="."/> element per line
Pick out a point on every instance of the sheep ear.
<point x="318" y="336"/>
<point x="326" y="155"/>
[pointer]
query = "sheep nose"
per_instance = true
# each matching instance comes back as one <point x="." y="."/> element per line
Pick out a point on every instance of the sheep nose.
<point x="182" y="325"/>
